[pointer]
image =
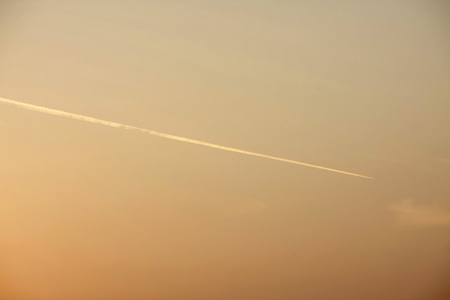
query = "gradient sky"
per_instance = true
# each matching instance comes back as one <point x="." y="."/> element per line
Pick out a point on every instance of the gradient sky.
<point x="89" y="212"/>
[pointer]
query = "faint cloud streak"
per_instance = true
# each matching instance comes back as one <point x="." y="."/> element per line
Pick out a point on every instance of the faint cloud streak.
<point x="410" y="214"/>
<point x="250" y="207"/>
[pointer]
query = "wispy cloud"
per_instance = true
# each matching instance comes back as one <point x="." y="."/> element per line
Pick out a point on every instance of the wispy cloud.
<point x="410" y="214"/>
<point x="250" y="207"/>
<point x="445" y="161"/>
<point x="163" y="135"/>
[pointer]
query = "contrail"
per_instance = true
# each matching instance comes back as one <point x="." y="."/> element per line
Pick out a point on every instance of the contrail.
<point x="163" y="135"/>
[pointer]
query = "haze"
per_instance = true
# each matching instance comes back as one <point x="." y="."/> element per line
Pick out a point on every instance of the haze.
<point x="88" y="212"/>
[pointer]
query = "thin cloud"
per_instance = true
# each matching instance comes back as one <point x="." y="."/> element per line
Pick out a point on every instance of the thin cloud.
<point x="250" y="207"/>
<point x="410" y="214"/>
<point x="163" y="135"/>
<point x="445" y="161"/>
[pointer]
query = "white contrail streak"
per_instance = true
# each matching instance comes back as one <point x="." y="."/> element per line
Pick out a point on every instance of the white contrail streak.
<point x="163" y="135"/>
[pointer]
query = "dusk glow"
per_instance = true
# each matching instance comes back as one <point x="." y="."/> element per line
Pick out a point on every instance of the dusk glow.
<point x="342" y="191"/>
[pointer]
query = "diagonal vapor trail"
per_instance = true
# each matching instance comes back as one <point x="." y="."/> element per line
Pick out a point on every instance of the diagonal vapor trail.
<point x="163" y="135"/>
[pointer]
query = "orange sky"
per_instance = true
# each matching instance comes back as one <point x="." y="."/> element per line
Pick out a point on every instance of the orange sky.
<point x="90" y="212"/>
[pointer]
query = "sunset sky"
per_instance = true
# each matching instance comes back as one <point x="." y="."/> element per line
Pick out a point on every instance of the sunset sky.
<point x="89" y="212"/>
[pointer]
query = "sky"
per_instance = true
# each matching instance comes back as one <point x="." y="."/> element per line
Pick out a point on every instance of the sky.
<point x="92" y="212"/>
